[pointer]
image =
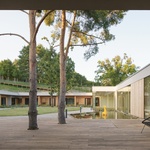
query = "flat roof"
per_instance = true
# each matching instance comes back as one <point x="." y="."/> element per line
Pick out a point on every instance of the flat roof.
<point x="103" y="88"/>
<point x="4" y="92"/>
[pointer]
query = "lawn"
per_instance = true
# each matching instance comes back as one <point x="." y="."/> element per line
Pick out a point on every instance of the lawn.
<point x="23" y="111"/>
<point x="24" y="86"/>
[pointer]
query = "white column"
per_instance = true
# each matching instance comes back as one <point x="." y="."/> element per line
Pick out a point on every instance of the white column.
<point x="94" y="100"/>
<point x="0" y="100"/>
<point x="115" y="100"/>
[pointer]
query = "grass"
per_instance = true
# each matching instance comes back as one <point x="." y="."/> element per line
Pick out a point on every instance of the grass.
<point x="13" y="88"/>
<point x="23" y="111"/>
<point x="16" y="86"/>
<point x="20" y="86"/>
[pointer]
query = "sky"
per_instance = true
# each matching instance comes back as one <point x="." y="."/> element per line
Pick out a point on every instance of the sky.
<point x="132" y="36"/>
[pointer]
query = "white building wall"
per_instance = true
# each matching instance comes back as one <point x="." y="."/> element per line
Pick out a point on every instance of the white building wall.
<point x="141" y="74"/>
<point x="103" y="88"/>
<point x="137" y="98"/>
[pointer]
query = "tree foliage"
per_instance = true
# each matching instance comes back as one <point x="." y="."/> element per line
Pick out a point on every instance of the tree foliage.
<point x="80" y="80"/>
<point x="111" y="73"/>
<point x="33" y="28"/>
<point x="23" y="64"/>
<point x="87" y="28"/>
<point x="6" y="69"/>
<point x="80" y="28"/>
<point x="47" y="68"/>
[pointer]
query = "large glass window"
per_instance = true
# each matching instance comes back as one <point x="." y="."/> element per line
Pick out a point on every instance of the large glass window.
<point x="87" y="101"/>
<point x="70" y="101"/>
<point x="97" y="101"/>
<point x="3" y="101"/>
<point x="13" y="101"/>
<point x="105" y="99"/>
<point x="26" y="101"/>
<point x="123" y="99"/>
<point x="52" y="102"/>
<point x="147" y="96"/>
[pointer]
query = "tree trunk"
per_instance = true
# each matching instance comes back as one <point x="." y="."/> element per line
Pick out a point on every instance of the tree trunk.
<point x="62" y="61"/>
<point x="32" y="113"/>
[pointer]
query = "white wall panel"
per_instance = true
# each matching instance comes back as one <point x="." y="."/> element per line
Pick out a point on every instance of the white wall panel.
<point x="137" y="98"/>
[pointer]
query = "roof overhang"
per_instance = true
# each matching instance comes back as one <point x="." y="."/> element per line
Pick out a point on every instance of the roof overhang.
<point x="75" y="4"/>
<point x="103" y="89"/>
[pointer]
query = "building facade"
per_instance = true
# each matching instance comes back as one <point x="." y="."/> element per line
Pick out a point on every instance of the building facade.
<point x="43" y="98"/>
<point x="130" y="96"/>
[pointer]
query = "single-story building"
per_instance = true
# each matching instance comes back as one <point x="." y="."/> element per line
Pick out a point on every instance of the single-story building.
<point x="43" y="98"/>
<point x="130" y="96"/>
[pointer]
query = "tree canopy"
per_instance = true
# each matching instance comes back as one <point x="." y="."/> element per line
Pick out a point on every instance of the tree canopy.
<point x="112" y="72"/>
<point x="86" y="28"/>
<point x="47" y="69"/>
<point x="72" y="28"/>
<point x="6" y="69"/>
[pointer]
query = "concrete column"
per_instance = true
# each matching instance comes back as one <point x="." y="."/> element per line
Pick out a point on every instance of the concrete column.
<point x="115" y="97"/>
<point x="85" y="102"/>
<point x="6" y="101"/>
<point x="56" y="100"/>
<point x="94" y="93"/>
<point x="75" y="99"/>
<point x="48" y="100"/>
<point x="9" y="102"/>
<point x="115" y="100"/>
<point x="0" y="100"/>
<point x="23" y="100"/>
<point x="39" y="100"/>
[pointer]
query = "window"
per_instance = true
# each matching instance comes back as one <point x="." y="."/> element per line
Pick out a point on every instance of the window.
<point x="87" y="101"/>
<point x="97" y="101"/>
<point x="13" y="101"/>
<point x="3" y="101"/>
<point x="70" y="101"/>
<point x="26" y="101"/>
<point x="147" y="97"/>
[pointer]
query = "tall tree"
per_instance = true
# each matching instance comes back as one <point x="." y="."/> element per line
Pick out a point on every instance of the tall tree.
<point x="32" y="113"/>
<point x="47" y="67"/>
<point x="83" y="28"/>
<point x="62" y="61"/>
<point x="23" y="64"/>
<point x="80" y="80"/>
<point x="16" y="74"/>
<point x="111" y="73"/>
<point x="6" y="69"/>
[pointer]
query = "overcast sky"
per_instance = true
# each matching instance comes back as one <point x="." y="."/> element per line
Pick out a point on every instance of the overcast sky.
<point x="132" y="37"/>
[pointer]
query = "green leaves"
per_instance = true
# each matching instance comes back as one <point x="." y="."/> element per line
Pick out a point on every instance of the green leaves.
<point x="114" y="71"/>
<point x="93" y="49"/>
<point x="6" y="69"/>
<point x="90" y="29"/>
<point x="50" y="18"/>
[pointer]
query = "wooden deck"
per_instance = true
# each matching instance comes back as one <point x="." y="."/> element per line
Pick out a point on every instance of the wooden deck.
<point x="77" y="134"/>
